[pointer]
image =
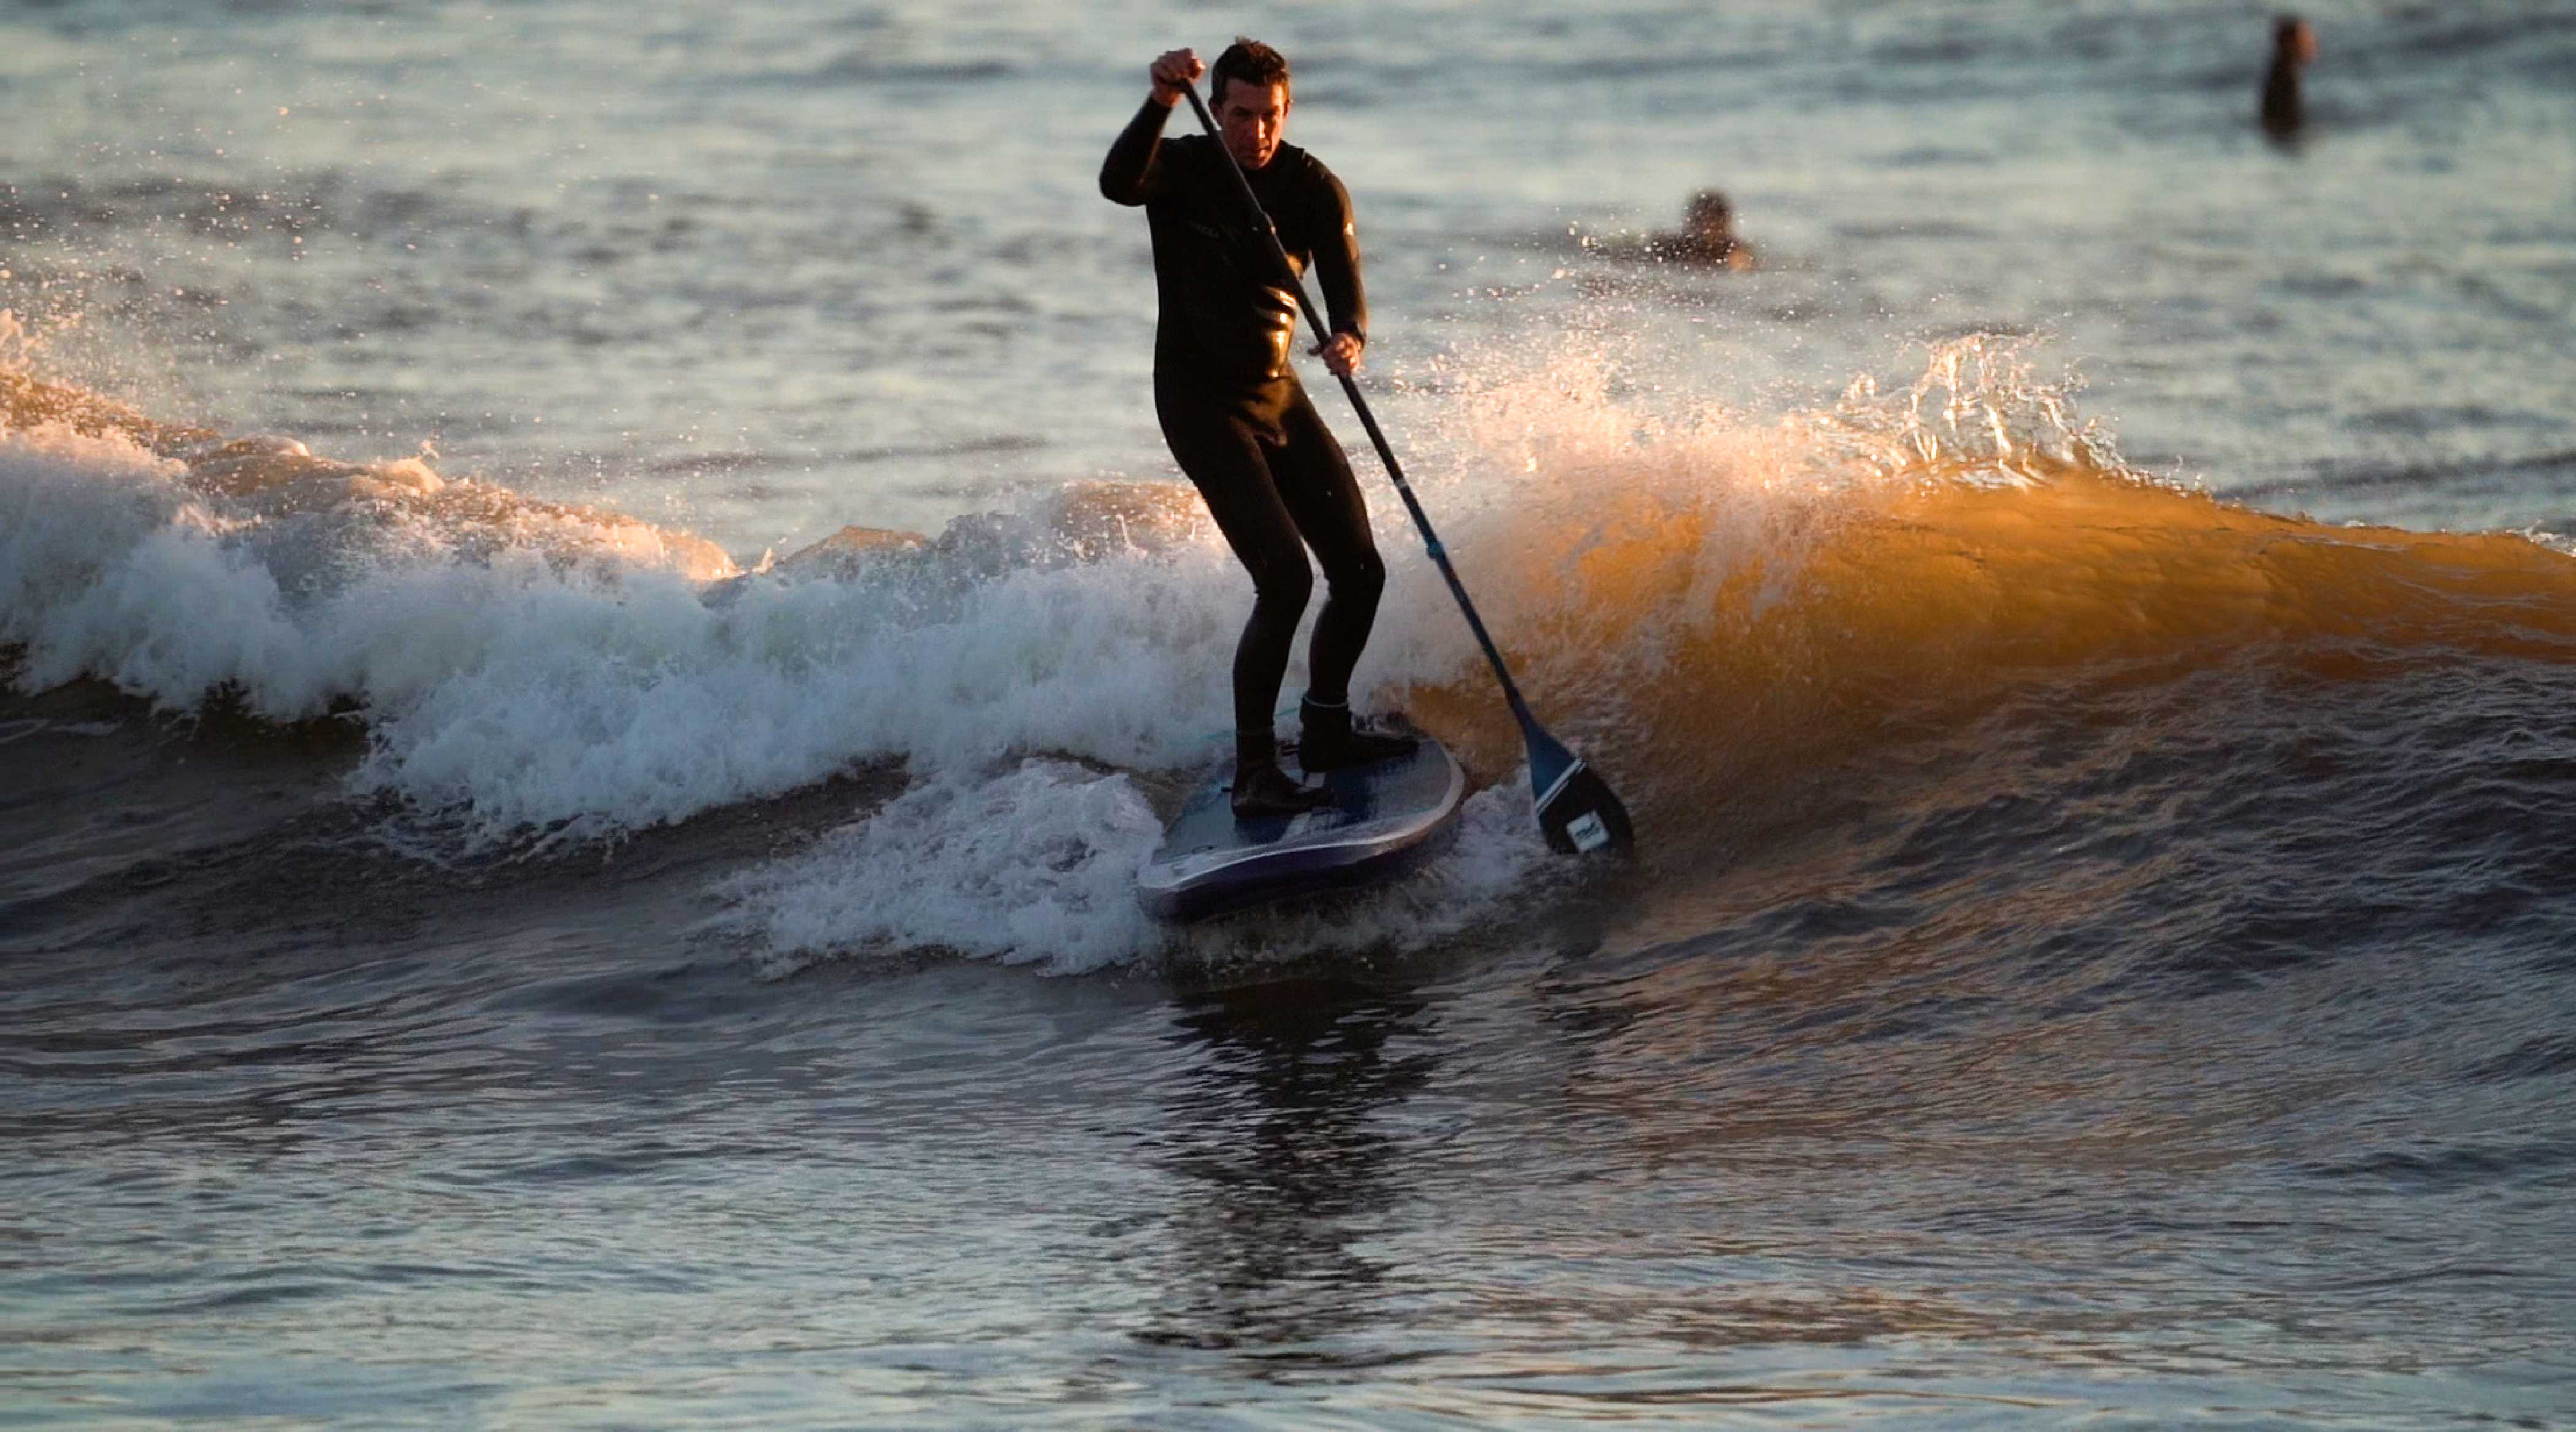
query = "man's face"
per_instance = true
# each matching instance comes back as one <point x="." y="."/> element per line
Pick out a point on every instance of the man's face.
<point x="1251" y="118"/>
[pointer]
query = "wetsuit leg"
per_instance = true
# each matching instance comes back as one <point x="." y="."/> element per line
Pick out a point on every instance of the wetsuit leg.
<point x="1315" y="483"/>
<point x="1226" y="458"/>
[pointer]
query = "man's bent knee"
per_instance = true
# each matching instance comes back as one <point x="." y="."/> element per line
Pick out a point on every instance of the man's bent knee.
<point x="1290" y="582"/>
<point x="1359" y="579"/>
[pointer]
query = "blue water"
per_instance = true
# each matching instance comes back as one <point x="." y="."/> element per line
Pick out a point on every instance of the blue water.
<point x="506" y="919"/>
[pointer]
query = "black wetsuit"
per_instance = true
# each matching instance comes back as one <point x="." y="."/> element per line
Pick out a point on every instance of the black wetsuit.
<point x="2282" y="112"/>
<point x="1237" y="420"/>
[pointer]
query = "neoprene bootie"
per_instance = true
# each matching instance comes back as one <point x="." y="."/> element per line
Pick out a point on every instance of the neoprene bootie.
<point x="1330" y="739"/>
<point x="1261" y="788"/>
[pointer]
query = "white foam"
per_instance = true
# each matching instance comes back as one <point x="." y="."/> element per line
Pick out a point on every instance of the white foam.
<point x="108" y="568"/>
<point x="1036" y="864"/>
<point x="537" y="673"/>
<point x="579" y="709"/>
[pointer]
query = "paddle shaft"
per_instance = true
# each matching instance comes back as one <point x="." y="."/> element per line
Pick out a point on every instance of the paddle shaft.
<point x="1368" y="420"/>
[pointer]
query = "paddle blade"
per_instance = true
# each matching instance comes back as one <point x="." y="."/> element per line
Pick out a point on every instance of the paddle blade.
<point x="1576" y="811"/>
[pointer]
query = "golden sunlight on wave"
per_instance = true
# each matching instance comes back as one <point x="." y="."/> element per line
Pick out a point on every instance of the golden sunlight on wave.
<point x="1691" y="660"/>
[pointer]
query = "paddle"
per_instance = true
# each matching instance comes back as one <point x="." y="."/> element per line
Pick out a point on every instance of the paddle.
<point x="1576" y="810"/>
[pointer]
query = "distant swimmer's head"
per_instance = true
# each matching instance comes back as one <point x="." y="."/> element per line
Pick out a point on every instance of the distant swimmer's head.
<point x="1706" y="238"/>
<point x="2293" y="40"/>
<point x="1248" y="88"/>
<point x="1710" y="216"/>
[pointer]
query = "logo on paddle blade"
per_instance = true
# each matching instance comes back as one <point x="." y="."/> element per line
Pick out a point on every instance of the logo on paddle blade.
<point x="1588" y="833"/>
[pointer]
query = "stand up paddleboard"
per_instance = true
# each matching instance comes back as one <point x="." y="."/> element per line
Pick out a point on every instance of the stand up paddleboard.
<point x="1383" y="818"/>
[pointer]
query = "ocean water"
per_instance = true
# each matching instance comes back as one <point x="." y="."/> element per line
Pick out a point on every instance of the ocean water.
<point x="595" y="625"/>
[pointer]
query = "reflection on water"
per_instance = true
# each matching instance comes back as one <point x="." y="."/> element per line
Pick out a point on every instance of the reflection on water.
<point x="1287" y="1170"/>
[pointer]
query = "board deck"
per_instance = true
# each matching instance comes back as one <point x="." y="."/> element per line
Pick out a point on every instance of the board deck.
<point x="1384" y="817"/>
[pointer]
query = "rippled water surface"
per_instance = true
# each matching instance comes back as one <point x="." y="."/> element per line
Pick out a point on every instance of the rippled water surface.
<point x="582" y="876"/>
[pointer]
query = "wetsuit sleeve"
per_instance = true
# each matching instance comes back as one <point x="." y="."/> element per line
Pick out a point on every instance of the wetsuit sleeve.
<point x="1336" y="257"/>
<point x="1131" y="174"/>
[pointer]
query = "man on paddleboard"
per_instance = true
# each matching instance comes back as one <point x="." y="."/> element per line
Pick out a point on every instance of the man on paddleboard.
<point x="1236" y="418"/>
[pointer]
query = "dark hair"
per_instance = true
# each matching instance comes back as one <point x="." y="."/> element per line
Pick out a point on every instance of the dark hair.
<point x="1249" y="61"/>
<point x="2285" y="28"/>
